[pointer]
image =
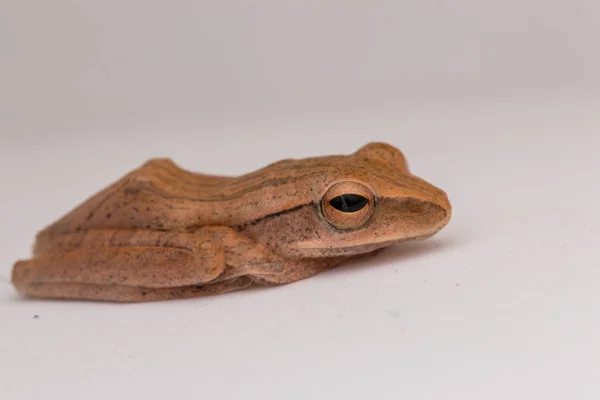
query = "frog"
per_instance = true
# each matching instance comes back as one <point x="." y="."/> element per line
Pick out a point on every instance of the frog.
<point x="162" y="232"/>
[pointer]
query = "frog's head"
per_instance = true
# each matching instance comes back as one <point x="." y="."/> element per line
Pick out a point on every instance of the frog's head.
<point x="354" y="204"/>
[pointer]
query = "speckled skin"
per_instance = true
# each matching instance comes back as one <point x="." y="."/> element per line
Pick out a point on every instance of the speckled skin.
<point x="162" y="232"/>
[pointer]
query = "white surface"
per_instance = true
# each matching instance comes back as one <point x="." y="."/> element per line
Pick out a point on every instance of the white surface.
<point x="497" y="104"/>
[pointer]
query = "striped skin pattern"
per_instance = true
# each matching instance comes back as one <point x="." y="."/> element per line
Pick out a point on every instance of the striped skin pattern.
<point x="162" y="232"/>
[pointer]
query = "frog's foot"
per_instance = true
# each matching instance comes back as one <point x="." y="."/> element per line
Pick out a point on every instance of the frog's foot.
<point x="141" y="265"/>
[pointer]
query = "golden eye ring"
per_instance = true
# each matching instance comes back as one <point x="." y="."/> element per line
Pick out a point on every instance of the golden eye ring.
<point x="348" y="205"/>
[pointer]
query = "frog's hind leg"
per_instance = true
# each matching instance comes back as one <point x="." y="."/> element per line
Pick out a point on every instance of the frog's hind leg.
<point x="123" y="265"/>
<point x="122" y="294"/>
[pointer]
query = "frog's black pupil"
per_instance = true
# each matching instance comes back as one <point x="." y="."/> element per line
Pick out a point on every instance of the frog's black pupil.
<point x="349" y="203"/>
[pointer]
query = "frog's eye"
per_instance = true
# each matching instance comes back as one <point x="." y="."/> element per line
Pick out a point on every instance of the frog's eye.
<point x="347" y="205"/>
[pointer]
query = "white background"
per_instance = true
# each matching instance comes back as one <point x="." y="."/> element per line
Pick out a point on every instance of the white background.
<point x="497" y="102"/>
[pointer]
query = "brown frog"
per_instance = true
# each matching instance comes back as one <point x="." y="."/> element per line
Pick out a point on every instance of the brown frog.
<point x="162" y="232"/>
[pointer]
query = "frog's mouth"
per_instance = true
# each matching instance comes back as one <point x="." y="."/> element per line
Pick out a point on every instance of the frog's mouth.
<point x="310" y="250"/>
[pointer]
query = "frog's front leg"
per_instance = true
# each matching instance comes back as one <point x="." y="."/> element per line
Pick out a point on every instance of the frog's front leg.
<point x="244" y="256"/>
<point x="135" y="265"/>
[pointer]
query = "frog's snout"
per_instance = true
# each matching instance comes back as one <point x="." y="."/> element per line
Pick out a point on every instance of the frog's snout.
<point x="415" y="216"/>
<point x="426" y="214"/>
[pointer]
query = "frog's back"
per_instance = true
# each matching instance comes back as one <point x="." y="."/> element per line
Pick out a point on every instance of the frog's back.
<point x="164" y="197"/>
<point x="158" y="195"/>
